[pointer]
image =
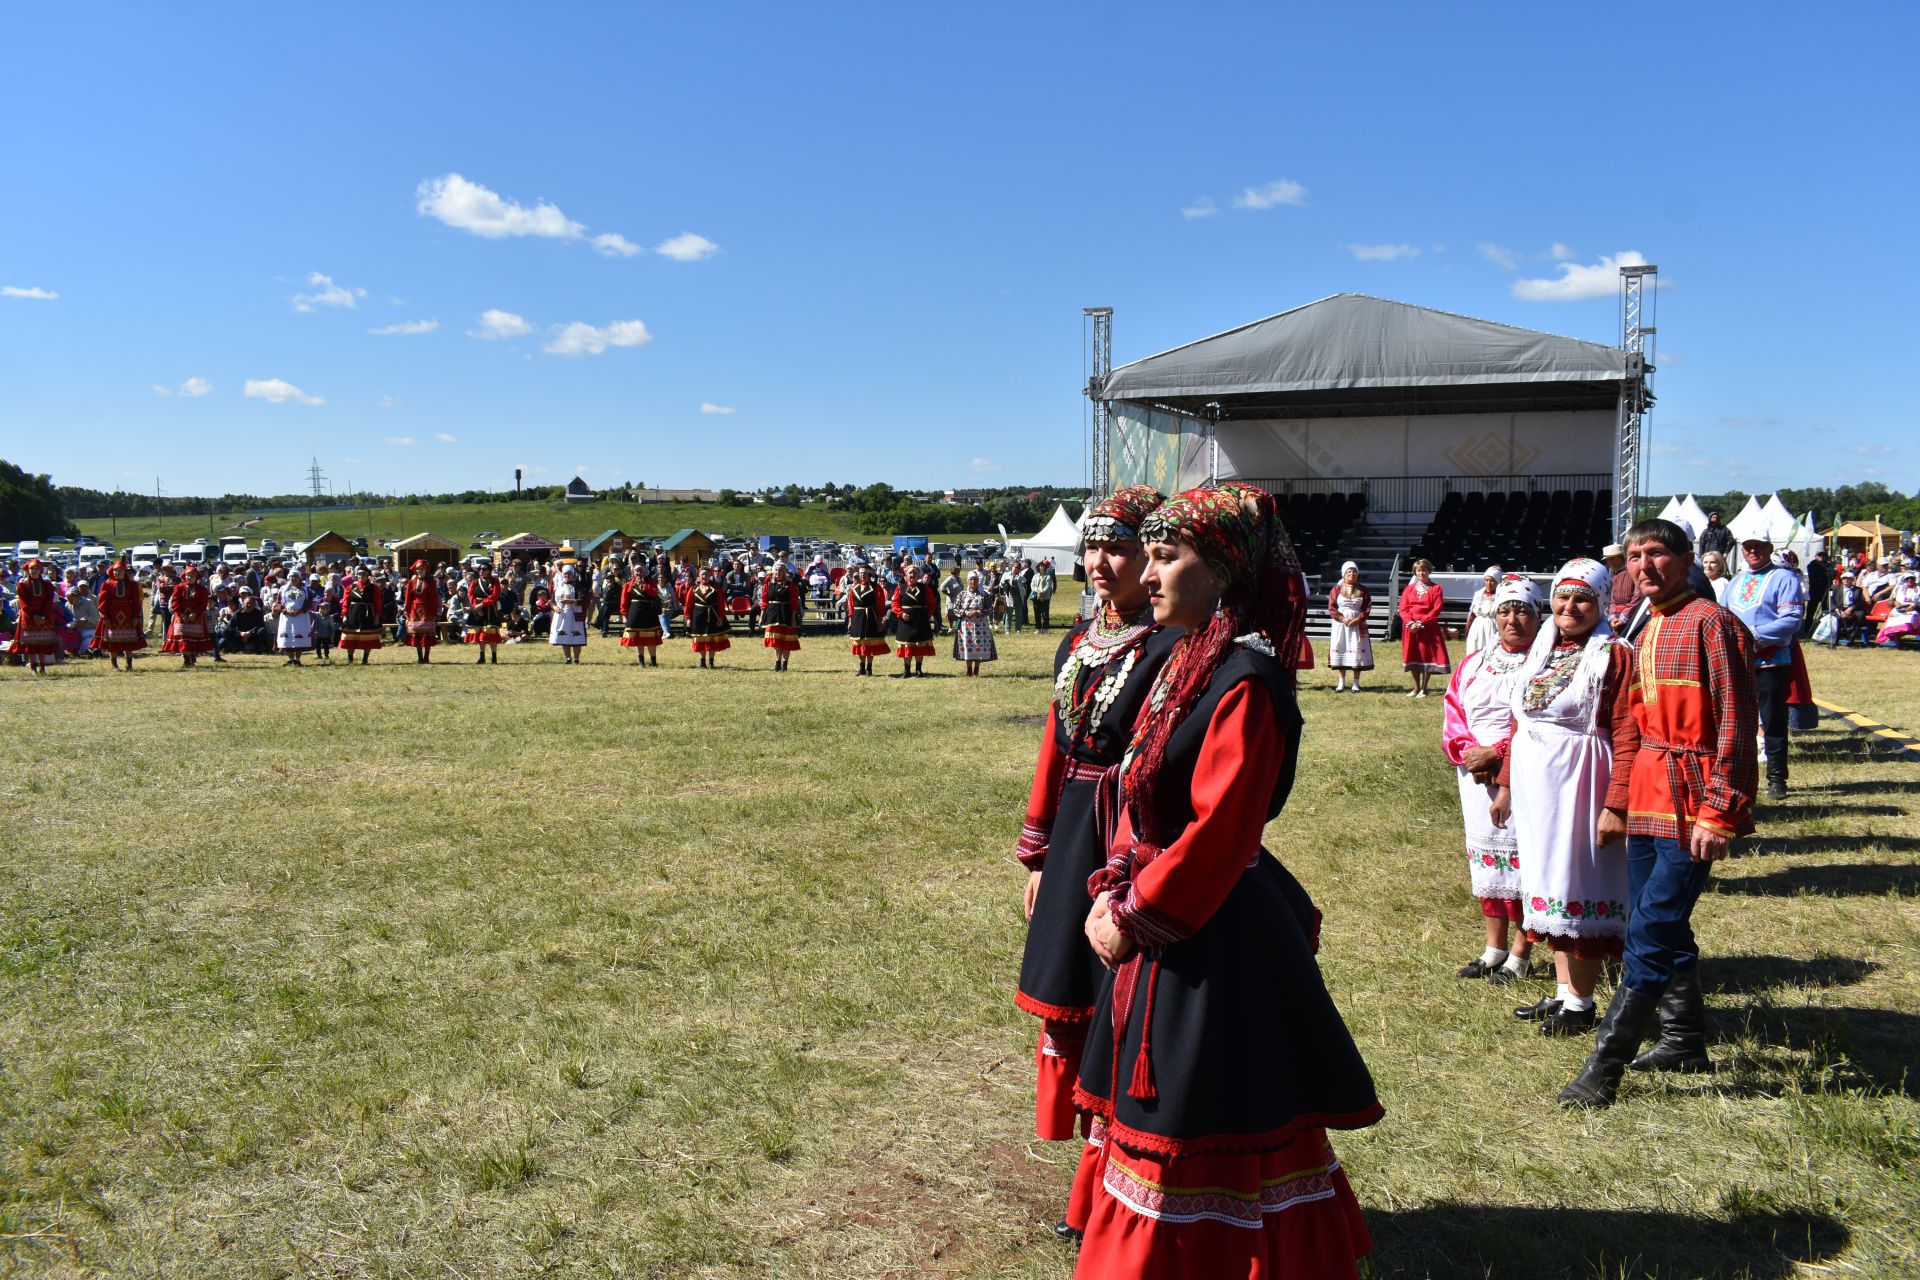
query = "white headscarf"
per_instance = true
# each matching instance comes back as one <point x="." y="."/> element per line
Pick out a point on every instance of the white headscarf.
<point x="1580" y="575"/>
<point x="1517" y="588"/>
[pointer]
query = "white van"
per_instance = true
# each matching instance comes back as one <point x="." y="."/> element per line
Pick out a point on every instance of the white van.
<point x="93" y="555"/>
<point x="194" y="553"/>
<point x="144" y="557"/>
<point x="234" y="554"/>
<point x="27" y="551"/>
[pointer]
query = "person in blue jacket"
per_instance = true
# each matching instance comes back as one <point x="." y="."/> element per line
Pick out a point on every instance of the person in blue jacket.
<point x="1770" y="600"/>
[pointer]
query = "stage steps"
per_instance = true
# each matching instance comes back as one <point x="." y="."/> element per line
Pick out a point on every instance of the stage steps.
<point x="1372" y="544"/>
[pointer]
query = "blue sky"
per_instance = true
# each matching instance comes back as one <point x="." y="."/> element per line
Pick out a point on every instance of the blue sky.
<point x="867" y="232"/>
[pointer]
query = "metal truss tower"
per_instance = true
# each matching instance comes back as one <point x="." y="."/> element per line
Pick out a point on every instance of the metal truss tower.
<point x="1639" y="289"/>
<point x="1101" y="364"/>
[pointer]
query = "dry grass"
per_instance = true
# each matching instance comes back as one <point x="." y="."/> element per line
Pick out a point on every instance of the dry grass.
<point x="596" y="971"/>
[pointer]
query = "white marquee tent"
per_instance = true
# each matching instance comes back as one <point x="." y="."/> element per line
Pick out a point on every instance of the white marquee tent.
<point x="1750" y="523"/>
<point x="1057" y="542"/>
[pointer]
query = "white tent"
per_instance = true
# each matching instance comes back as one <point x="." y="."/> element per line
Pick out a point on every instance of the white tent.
<point x="1671" y="511"/>
<point x="1780" y="521"/>
<point x="1694" y="515"/>
<point x="1804" y="540"/>
<point x="1750" y="523"/>
<point x="1057" y="542"/>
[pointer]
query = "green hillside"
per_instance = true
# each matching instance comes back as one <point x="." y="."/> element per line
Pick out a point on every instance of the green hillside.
<point x="461" y="521"/>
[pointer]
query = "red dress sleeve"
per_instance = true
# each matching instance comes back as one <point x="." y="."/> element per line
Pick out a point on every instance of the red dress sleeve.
<point x="1616" y="707"/>
<point x="1178" y="892"/>
<point x="1043" y="800"/>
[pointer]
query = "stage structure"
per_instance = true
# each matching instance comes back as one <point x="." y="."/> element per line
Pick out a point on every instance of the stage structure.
<point x="1359" y="394"/>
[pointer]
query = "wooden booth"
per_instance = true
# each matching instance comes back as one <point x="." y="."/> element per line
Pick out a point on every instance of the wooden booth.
<point x="690" y="544"/>
<point x="431" y="547"/>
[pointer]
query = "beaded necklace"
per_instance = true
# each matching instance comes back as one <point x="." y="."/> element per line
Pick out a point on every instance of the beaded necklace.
<point x="1110" y="635"/>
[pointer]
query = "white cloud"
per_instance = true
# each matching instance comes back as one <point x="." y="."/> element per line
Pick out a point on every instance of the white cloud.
<point x="1875" y="450"/>
<point x="1382" y="252"/>
<point x="277" y="391"/>
<point x="30" y="291"/>
<point x="982" y="466"/>
<point x="582" y="339"/>
<point x="191" y="389"/>
<point x="352" y="462"/>
<point x="1560" y="252"/>
<point x="472" y="207"/>
<point x="687" y="247"/>
<point x="1278" y="192"/>
<point x="500" y="324"/>
<point x="615" y="246"/>
<point x="387" y="402"/>
<point x="401" y="440"/>
<point x="1578" y="282"/>
<point x="1204" y="207"/>
<point x="445" y="437"/>
<point x="407" y="326"/>
<point x="581" y="469"/>
<point x="708" y="406"/>
<point x="1505" y="259"/>
<point x="326" y="294"/>
<point x="1665" y="450"/>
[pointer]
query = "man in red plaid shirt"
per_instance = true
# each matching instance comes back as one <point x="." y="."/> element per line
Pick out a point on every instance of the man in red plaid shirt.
<point x="1691" y="795"/>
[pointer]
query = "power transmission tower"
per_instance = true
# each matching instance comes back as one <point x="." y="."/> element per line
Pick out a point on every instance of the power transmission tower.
<point x="316" y="479"/>
<point x="1639" y="289"/>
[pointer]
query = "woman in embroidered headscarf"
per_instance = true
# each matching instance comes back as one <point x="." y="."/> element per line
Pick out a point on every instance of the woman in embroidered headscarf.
<point x="867" y="618"/>
<point x="913" y="612"/>
<point x="36" y="623"/>
<point x="360" y="608"/>
<point x="707" y="623"/>
<point x="1215" y="1060"/>
<point x="1564" y="783"/>
<point x="1349" y="647"/>
<point x="1480" y="630"/>
<point x="123" y="619"/>
<point x="294" y="631"/>
<point x="1101" y="673"/>
<point x="640" y="614"/>
<point x="1475" y="729"/>
<point x="420" y="612"/>
<point x="972" y="615"/>
<point x="1423" y="642"/>
<point x="569" y="630"/>
<point x="188" y="633"/>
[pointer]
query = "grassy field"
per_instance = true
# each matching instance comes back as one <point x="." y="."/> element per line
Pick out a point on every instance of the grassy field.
<point x="405" y="971"/>
<point x="461" y="521"/>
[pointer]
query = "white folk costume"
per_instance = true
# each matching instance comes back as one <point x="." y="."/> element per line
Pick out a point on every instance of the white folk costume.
<point x="1478" y="713"/>
<point x="1481" y="631"/>
<point x="1350" y="648"/>
<point x="294" y="631"/>
<point x="1571" y="757"/>
<point x="569" y="612"/>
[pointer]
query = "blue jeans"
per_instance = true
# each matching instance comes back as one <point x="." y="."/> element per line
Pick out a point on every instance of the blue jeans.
<point x="1663" y="883"/>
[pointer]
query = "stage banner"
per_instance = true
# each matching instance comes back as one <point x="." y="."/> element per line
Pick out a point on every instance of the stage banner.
<point x="1151" y="446"/>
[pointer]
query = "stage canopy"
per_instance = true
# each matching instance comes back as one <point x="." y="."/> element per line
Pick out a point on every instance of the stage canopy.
<point x="1354" y="388"/>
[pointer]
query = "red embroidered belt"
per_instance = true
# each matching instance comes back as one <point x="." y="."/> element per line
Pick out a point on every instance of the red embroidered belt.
<point x="1081" y="771"/>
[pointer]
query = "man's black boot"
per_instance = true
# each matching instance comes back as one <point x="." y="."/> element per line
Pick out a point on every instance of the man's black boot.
<point x="1629" y="1018"/>
<point x="1683" y="1027"/>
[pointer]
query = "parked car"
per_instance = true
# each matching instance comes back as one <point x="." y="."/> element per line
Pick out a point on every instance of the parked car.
<point x="268" y="547"/>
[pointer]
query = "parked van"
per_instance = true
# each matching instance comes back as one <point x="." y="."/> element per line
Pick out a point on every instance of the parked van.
<point x="94" y="554"/>
<point x="145" y="557"/>
<point x="27" y="551"/>
<point x="194" y="553"/>
<point x="234" y="554"/>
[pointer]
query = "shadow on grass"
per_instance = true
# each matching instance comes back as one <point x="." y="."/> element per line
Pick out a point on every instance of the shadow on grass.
<point x="1864" y="1048"/>
<point x="1789" y="811"/>
<point x="1851" y="749"/>
<point x="1448" y="1240"/>
<point x="1860" y="787"/>
<point x="1834" y="880"/>
<point x="1777" y="846"/>
<point x="1740" y="975"/>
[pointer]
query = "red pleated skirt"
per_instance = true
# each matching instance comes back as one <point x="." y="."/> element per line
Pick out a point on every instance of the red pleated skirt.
<point x="1279" y="1215"/>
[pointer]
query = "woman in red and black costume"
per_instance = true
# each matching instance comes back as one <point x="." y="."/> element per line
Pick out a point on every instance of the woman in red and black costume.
<point x="483" y="614"/>
<point x="360" y="606"/>
<point x="913" y="611"/>
<point x="36" y="623"/>
<point x="867" y="618"/>
<point x="780" y="613"/>
<point x="1100" y="678"/>
<point x="187" y="631"/>
<point x="640" y="614"/>
<point x="123" y="617"/>
<point x="1216" y="1061"/>
<point x="420" y="611"/>
<point x="707" y="621"/>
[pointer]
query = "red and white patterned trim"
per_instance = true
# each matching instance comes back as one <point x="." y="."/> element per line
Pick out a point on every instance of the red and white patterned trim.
<point x="1061" y="1042"/>
<point x="1143" y="924"/>
<point x="1031" y="848"/>
<point x="1246" y="1209"/>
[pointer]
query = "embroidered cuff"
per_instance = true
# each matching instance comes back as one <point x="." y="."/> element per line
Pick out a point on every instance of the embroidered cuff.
<point x="1147" y="927"/>
<point x="1032" y="847"/>
<point x="1504" y="746"/>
